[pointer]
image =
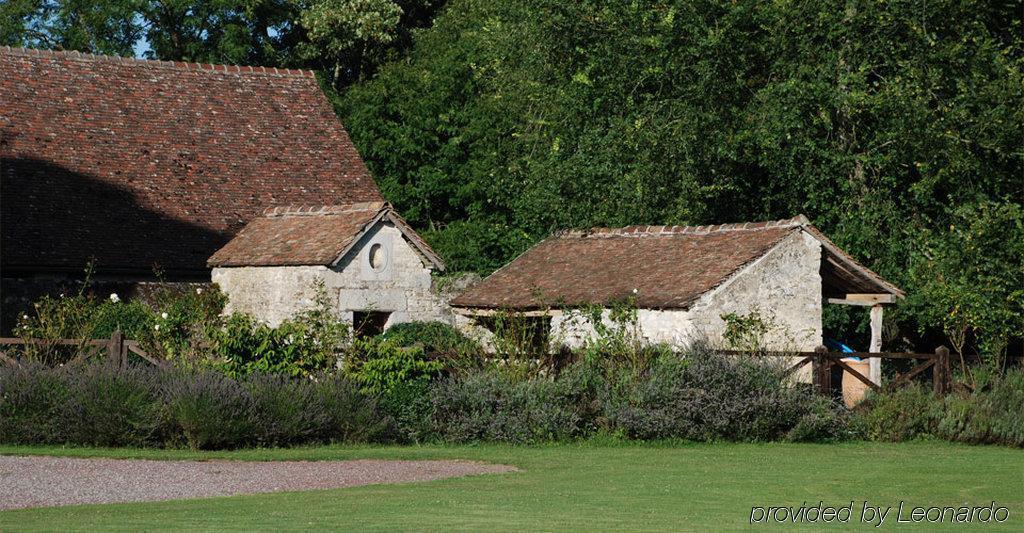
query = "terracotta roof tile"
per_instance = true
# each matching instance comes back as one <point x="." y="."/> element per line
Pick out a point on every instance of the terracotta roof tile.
<point x="136" y="163"/>
<point x="659" y="266"/>
<point x="310" y="235"/>
<point x="296" y="236"/>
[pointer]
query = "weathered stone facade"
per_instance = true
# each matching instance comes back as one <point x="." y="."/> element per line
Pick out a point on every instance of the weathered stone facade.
<point x="398" y="282"/>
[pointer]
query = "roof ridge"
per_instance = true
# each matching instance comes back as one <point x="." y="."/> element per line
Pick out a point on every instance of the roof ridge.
<point x="155" y="63"/>
<point x="644" y="231"/>
<point x="318" y="210"/>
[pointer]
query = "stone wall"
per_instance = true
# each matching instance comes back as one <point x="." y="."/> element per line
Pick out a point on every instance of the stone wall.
<point x="784" y="285"/>
<point x="401" y="285"/>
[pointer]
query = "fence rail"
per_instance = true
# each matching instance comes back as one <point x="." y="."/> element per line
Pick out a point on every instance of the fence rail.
<point x="823" y="361"/>
<point x="117" y="349"/>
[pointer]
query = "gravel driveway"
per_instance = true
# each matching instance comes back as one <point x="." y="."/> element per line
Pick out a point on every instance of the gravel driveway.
<point x="51" y="481"/>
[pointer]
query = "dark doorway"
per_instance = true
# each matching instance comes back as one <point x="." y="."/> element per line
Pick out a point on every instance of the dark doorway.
<point x="369" y="323"/>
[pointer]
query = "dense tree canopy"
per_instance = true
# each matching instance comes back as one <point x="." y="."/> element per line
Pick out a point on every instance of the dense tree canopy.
<point x="882" y="121"/>
<point x="895" y="126"/>
<point x="346" y="38"/>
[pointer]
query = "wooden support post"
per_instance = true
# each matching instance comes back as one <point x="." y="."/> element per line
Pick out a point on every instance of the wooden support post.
<point x="941" y="371"/>
<point x="823" y="371"/>
<point x="115" y="347"/>
<point x="875" y="363"/>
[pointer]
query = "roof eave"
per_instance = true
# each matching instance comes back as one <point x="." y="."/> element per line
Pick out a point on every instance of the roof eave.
<point x="852" y="264"/>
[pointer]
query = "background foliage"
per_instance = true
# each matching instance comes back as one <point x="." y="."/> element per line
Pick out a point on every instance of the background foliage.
<point x="895" y="126"/>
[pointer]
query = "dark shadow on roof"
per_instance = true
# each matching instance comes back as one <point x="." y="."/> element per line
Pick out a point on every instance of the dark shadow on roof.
<point x="55" y="219"/>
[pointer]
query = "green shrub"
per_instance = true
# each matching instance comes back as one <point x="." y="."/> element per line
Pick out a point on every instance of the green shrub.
<point x="349" y="415"/>
<point x="439" y="341"/>
<point x="492" y="406"/>
<point x="707" y="396"/>
<point x="381" y="365"/>
<point x="284" y="411"/>
<point x="183" y="320"/>
<point x="32" y="397"/>
<point x="398" y="376"/>
<point x="207" y="410"/>
<point x="110" y="406"/>
<point x="903" y="414"/>
<point x="174" y="326"/>
<point x="102" y="405"/>
<point x="822" y="422"/>
<point x="298" y="347"/>
<point x="992" y="414"/>
<point x="80" y="317"/>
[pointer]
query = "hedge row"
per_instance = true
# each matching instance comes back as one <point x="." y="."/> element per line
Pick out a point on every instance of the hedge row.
<point x="702" y="397"/>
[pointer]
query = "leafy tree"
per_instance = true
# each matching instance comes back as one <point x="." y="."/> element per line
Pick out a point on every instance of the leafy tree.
<point x="347" y="38"/>
<point x="969" y="277"/>
<point x="255" y="32"/>
<point x="107" y="27"/>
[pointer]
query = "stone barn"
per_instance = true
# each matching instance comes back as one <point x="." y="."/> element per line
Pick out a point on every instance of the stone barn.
<point x="374" y="269"/>
<point x="143" y="169"/>
<point x="682" y="281"/>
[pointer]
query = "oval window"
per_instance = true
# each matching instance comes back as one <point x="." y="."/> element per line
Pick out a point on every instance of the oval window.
<point x="378" y="256"/>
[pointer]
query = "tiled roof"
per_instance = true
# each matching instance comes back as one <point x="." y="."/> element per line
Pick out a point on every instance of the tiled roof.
<point x="136" y="163"/>
<point x="289" y="236"/>
<point x="660" y="267"/>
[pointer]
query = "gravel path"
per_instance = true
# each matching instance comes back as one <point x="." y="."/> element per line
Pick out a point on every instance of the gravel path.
<point x="50" y="481"/>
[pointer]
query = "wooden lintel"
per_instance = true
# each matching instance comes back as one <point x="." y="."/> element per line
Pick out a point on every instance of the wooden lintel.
<point x="866" y="300"/>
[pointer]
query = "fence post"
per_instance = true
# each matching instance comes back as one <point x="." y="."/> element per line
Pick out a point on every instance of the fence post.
<point x="940" y="371"/>
<point x="823" y="371"/>
<point x="115" y="347"/>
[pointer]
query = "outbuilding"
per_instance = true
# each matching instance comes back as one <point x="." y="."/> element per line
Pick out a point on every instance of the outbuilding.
<point x="684" y="281"/>
<point x="372" y="267"/>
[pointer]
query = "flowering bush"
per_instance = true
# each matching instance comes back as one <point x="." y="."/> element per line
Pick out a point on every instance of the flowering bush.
<point x="80" y="317"/>
<point x="184" y="319"/>
<point x="173" y="325"/>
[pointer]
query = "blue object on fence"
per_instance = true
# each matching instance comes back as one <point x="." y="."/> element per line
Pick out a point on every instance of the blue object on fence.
<point x="836" y="345"/>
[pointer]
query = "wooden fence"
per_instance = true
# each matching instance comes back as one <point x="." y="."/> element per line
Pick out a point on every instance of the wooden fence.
<point x="117" y="349"/>
<point x="823" y="360"/>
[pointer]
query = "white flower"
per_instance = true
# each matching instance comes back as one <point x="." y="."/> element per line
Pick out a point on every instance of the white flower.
<point x="163" y="316"/>
<point x="634" y="291"/>
<point x="62" y="295"/>
<point x="25" y="317"/>
<point x="114" y="297"/>
<point x="157" y="327"/>
<point x="199" y="290"/>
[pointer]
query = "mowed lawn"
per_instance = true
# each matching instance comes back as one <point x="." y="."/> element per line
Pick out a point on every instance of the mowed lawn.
<point x="698" y="487"/>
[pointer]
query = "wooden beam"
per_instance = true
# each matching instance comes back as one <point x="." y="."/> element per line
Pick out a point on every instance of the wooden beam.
<point x="875" y="364"/>
<point x="839" y="361"/>
<point x="797" y="366"/>
<point x="905" y="378"/>
<point x="867" y="300"/>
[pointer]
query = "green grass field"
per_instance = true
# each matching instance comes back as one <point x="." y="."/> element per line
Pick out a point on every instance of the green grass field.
<point x="695" y="487"/>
